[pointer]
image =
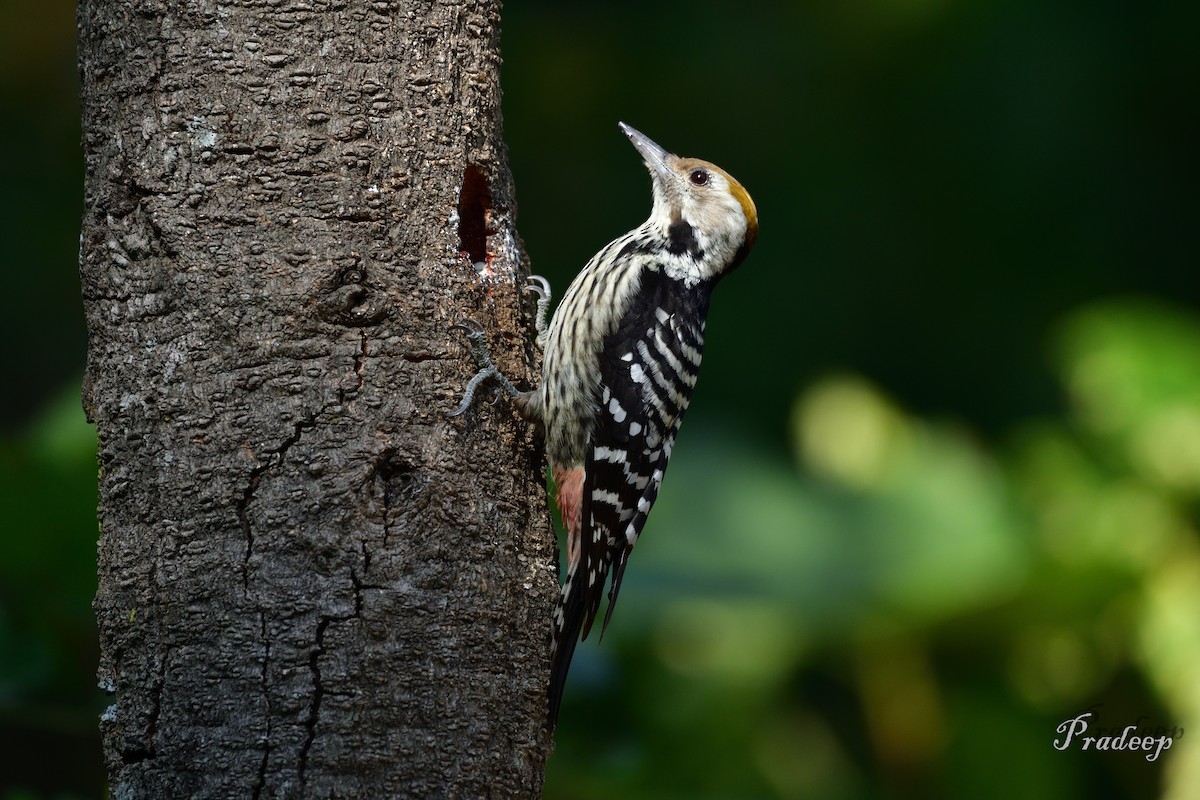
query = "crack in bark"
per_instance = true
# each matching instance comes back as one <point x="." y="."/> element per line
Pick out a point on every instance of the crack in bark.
<point x="360" y="585"/>
<point x="261" y="778"/>
<point x="244" y="518"/>
<point x="360" y="363"/>
<point x="275" y="458"/>
<point x="310" y="722"/>
<point x="147" y="750"/>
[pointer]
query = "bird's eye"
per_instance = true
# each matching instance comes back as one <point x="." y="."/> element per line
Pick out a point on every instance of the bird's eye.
<point x="698" y="177"/>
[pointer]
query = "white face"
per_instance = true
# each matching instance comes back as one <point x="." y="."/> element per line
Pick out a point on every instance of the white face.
<point x="720" y="213"/>
<point x="701" y="208"/>
<point x="707" y="199"/>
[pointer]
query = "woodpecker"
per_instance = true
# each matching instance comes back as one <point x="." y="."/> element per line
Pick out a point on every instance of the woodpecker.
<point x="621" y="358"/>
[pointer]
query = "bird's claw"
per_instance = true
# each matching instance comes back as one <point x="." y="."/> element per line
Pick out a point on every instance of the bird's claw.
<point x="487" y="369"/>
<point x="541" y="287"/>
<point x="473" y="328"/>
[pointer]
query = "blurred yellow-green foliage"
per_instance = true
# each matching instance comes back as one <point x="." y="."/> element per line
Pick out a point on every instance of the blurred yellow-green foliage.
<point x="939" y="489"/>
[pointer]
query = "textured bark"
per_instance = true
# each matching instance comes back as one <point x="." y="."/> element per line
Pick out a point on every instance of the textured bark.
<point x="311" y="583"/>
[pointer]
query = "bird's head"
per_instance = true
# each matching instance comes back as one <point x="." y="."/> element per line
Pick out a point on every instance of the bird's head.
<point x="702" y="211"/>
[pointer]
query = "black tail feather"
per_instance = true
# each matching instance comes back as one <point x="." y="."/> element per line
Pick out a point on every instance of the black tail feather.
<point x="566" y="636"/>
<point x="615" y="587"/>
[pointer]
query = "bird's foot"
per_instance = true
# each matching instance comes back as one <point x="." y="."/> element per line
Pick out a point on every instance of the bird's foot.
<point x="477" y="340"/>
<point x="541" y="287"/>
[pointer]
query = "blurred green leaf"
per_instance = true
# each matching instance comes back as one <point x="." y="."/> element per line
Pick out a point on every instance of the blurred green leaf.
<point x="1133" y="370"/>
<point x="47" y="580"/>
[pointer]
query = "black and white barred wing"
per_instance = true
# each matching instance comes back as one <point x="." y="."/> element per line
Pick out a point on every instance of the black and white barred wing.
<point x="649" y="368"/>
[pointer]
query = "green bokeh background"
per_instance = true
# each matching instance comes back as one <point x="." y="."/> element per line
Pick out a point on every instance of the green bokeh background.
<point x="939" y="488"/>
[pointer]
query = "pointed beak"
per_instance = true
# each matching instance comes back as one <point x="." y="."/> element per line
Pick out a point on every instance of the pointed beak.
<point x="654" y="156"/>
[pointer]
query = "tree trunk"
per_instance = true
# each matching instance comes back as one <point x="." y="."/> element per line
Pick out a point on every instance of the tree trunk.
<point x="312" y="584"/>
